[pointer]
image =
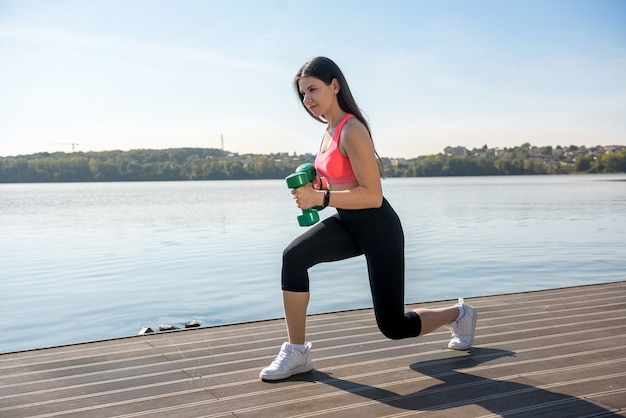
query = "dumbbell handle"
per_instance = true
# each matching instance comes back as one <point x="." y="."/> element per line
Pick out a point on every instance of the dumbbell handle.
<point x="304" y="175"/>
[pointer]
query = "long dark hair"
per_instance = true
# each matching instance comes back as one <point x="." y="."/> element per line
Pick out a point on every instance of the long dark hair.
<point x="326" y="70"/>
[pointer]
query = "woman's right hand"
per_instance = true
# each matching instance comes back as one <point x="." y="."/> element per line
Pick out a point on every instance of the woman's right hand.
<point x="306" y="196"/>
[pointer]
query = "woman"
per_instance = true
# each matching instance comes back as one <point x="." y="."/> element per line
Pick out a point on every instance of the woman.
<point x="365" y="224"/>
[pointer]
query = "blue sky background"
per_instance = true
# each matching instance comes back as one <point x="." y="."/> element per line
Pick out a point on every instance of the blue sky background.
<point x="163" y="74"/>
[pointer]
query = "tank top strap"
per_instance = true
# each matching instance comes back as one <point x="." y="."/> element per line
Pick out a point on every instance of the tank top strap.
<point x="337" y="133"/>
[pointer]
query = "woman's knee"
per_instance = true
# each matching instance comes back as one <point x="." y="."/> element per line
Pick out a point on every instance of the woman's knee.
<point x="294" y="276"/>
<point x="294" y="259"/>
<point x="400" y="326"/>
<point x="391" y="331"/>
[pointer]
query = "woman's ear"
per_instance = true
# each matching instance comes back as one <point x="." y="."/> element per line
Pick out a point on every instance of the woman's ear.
<point x="335" y="85"/>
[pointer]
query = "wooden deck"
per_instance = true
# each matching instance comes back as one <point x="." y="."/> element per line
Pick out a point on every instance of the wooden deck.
<point x="552" y="353"/>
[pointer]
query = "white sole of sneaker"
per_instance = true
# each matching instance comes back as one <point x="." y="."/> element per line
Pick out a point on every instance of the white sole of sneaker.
<point x="298" y="370"/>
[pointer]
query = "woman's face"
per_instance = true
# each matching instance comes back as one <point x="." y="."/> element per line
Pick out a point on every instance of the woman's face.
<point x="317" y="96"/>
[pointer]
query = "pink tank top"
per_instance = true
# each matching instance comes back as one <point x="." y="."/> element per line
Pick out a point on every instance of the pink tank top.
<point x="332" y="164"/>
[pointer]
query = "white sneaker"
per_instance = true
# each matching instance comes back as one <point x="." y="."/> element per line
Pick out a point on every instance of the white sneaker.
<point x="287" y="363"/>
<point x="463" y="329"/>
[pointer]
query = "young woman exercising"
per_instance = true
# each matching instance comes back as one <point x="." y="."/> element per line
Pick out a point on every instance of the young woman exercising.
<point x="365" y="224"/>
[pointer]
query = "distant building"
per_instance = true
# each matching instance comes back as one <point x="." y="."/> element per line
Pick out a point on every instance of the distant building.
<point x="456" y="151"/>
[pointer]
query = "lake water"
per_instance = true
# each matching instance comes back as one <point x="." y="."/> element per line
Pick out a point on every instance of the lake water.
<point x="87" y="261"/>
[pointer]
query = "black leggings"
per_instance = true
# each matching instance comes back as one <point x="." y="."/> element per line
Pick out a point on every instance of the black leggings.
<point x="376" y="233"/>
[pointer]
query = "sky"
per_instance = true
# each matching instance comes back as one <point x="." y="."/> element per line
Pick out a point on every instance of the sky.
<point x="155" y="74"/>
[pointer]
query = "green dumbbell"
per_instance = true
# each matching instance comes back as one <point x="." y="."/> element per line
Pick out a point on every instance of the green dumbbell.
<point x="303" y="175"/>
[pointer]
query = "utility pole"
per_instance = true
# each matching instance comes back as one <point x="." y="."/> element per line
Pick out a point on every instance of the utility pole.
<point x="222" y="138"/>
<point x="73" y="144"/>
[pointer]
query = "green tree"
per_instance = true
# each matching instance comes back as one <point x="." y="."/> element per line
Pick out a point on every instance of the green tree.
<point x="614" y="162"/>
<point x="430" y="166"/>
<point x="582" y="164"/>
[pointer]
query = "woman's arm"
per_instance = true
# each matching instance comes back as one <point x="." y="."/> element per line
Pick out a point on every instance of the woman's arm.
<point x="356" y="144"/>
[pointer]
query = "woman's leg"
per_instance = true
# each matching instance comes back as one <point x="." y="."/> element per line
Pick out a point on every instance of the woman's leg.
<point x="380" y="236"/>
<point x="379" y="233"/>
<point x="294" y="305"/>
<point x="324" y="242"/>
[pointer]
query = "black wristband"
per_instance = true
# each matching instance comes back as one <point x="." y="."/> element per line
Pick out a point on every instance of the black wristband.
<point x="326" y="198"/>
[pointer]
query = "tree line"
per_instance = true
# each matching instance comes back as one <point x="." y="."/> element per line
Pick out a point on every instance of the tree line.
<point x="515" y="161"/>
<point x="141" y="165"/>
<point x="215" y="164"/>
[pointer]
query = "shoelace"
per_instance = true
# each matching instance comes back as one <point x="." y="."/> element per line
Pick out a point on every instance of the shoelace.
<point x="282" y="356"/>
<point x="456" y="332"/>
<point x="454" y="328"/>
